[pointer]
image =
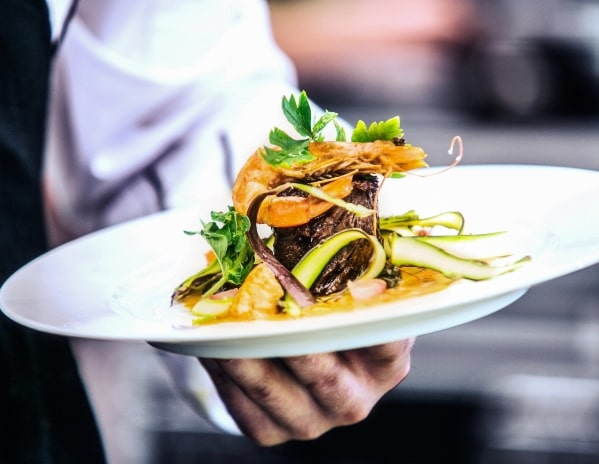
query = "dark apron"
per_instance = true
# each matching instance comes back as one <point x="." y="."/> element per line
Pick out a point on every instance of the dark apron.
<point x="45" y="416"/>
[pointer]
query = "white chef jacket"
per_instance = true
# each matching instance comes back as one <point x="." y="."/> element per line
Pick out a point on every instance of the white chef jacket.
<point x="154" y="104"/>
<point x="150" y="91"/>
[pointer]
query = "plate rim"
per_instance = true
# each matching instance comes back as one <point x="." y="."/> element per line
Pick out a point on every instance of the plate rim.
<point x="146" y="331"/>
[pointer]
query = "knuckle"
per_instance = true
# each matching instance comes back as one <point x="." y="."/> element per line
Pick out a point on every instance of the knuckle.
<point x="355" y="412"/>
<point x="401" y="372"/>
<point x="308" y="431"/>
<point x="329" y="383"/>
<point x="262" y="393"/>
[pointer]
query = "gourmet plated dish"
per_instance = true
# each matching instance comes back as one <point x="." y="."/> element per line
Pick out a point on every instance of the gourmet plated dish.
<point x="304" y="236"/>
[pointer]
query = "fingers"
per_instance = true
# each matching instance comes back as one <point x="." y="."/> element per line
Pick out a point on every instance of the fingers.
<point x="302" y="397"/>
<point x="332" y="384"/>
<point x="265" y="400"/>
<point x="386" y="365"/>
<point x="346" y="385"/>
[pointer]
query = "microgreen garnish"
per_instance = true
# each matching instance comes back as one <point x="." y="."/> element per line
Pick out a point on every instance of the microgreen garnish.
<point x="295" y="151"/>
<point x="226" y="235"/>
<point x="382" y="130"/>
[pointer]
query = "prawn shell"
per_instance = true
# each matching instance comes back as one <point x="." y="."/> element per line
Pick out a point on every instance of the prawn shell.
<point x="293" y="211"/>
<point x="254" y="178"/>
<point x="330" y="159"/>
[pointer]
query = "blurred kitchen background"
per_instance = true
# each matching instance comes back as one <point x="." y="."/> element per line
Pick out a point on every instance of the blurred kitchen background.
<point x="519" y="81"/>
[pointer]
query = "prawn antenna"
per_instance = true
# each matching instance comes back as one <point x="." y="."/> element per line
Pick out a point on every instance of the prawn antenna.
<point x="456" y="140"/>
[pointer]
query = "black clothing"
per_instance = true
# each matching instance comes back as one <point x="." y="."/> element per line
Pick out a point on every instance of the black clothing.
<point x="44" y="413"/>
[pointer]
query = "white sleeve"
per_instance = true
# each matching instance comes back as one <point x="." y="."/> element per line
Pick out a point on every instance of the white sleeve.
<point x="154" y="105"/>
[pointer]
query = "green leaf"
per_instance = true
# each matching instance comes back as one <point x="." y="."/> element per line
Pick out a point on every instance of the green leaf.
<point x="280" y="138"/>
<point x="383" y="130"/>
<point x="299" y="113"/>
<point x="397" y="175"/>
<point x="226" y="235"/>
<point x="293" y="154"/>
<point x="322" y="122"/>
<point x="341" y="136"/>
<point x="360" y="133"/>
<point x="292" y="151"/>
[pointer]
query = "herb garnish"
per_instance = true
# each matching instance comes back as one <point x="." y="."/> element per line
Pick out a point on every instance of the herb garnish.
<point x="234" y="254"/>
<point x="383" y="130"/>
<point x="298" y="112"/>
<point x="295" y="151"/>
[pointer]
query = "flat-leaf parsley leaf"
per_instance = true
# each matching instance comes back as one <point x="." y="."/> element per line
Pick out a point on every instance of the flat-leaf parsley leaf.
<point x="383" y="130"/>
<point x="293" y="151"/>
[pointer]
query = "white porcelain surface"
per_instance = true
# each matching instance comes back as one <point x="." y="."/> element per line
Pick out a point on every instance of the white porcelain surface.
<point x="116" y="283"/>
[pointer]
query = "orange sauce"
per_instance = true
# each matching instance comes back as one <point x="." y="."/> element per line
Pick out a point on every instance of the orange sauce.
<point x="414" y="281"/>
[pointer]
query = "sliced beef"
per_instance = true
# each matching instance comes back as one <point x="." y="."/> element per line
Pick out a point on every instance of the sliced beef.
<point x="294" y="242"/>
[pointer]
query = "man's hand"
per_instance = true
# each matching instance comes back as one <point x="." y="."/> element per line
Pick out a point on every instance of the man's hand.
<point x="300" y="398"/>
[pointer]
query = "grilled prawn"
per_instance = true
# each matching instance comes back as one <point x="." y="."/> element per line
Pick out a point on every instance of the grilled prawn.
<point x="332" y="169"/>
<point x="351" y="171"/>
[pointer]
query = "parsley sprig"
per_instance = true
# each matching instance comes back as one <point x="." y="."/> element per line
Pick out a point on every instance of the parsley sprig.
<point x="295" y="151"/>
<point x="382" y="130"/>
<point x="298" y="112"/>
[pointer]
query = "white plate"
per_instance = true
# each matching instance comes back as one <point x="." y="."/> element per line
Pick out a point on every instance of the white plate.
<point x="116" y="283"/>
